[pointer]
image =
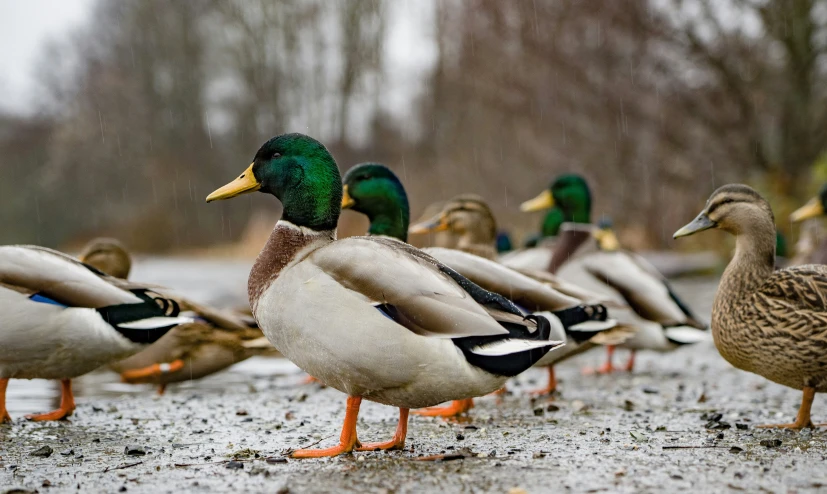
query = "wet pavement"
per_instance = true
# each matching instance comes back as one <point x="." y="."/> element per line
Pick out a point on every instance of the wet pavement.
<point x="684" y="420"/>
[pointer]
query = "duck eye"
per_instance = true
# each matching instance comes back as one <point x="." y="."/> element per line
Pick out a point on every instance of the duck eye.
<point x="276" y="155"/>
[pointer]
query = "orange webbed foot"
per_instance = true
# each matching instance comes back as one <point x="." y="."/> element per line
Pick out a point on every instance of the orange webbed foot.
<point x="58" y="414"/>
<point x="67" y="405"/>
<point x="398" y="441"/>
<point x="326" y="452"/>
<point x="550" y="388"/>
<point x="5" y="418"/>
<point x="457" y="407"/>
<point x="794" y="426"/>
<point x="604" y="369"/>
<point x="155" y="370"/>
<point x="347" y="440"/>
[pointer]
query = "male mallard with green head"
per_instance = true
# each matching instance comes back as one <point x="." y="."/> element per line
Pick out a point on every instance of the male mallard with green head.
<point x="215" y="339"/>
<point x="591" y="257"/>
<point x="766" y="321"/>
<point x="375" y="191"/>
<point x="372" y="316"/>
<point x="63" y="319"/>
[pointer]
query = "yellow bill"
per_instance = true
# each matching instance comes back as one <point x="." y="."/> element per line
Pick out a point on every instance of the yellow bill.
<point x="607" y="240"/>
<point x="246" y="182"/>
<point x="438" y="223"/>
<point x="347" y="201"/>
<point x="544" y="201"/>
<point x="813" y="209"/>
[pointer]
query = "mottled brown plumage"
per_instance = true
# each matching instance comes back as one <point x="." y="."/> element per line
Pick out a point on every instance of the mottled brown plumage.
<point x="471" y="224"/>
<point x="770" y="322"/>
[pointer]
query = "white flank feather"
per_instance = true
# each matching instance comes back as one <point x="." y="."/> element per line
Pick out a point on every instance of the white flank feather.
<point x="156" y="322"/>
<point x="594" y="326"/>
<point x="687" y="335"/>
<point x="507" y="347"/>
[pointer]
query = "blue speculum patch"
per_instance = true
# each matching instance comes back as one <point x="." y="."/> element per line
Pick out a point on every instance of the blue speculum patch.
<point x="45" y="300"/>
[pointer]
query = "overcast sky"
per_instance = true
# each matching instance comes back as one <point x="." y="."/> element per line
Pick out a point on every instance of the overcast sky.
<point x="25" y="25"/>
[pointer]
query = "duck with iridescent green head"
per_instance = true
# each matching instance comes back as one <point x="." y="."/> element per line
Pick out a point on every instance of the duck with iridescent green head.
<point x="375" y="191"/>
<point x="591" y="257"/>
<point x="372" y="316"/>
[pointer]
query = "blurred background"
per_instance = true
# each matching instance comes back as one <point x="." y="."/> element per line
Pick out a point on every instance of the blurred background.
<point x="118" y="118"/>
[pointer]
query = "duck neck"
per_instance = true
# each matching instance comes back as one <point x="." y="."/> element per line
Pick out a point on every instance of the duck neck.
<point x="471" y="246"/>
<point x="754" y="259"/>
<point x="287" y="245"/>
<point x="552" y="222"/>
<point x="390" y="224"/>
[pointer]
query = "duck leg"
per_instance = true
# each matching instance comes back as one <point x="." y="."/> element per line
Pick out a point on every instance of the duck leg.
<point x="67" y="404"/>
<point x="347" y="440"/>
<point x="802" y="420"/>
<point x="134" y="376"/>
<point x="398" y="441"/>
<point x="607" y="367"/>
<point x="4" y="415"/>
<point x="552" y="384"/>
<point x="457" y="407"/>
<point x="630" y="365"/>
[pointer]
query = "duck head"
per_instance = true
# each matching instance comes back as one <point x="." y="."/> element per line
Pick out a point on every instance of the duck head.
<point x="375" y="191"/>
<point x="301" y="173"/>
<point x="466" y="217"/>
<point x="736" y="209"/>
<point x="570" y="193"/>
<point x="107" y="255"/>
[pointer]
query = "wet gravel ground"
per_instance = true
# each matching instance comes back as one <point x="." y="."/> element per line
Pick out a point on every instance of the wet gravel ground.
<point x="682" y="421"/>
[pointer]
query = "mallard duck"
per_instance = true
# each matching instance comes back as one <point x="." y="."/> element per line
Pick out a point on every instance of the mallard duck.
<point x="812" y="246"/>
<point x="375" y="191"/>
<point x="372" y="317"/>
<point x="766" y="321"/>
<point x="63" y="319"/>
<point x="591" y="257"/>
<point x="214" y="341"/>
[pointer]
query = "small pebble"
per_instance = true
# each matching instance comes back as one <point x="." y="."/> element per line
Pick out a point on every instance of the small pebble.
<point x="134" y="451"/>
<point x="273" y="460"/>
<point x="235" y="465"/>
<point x="771" y="443"/>
<point x="43" y="452"/>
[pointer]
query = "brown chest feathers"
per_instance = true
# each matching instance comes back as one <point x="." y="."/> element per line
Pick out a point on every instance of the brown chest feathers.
<point x="287" y="244"/>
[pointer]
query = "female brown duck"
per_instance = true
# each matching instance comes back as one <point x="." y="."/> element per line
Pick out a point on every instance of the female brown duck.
<point x="770" y="322"/>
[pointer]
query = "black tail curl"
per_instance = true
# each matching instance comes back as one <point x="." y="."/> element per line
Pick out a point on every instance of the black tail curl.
<point x="512" y="364"/>
<point x="157" y="306"/>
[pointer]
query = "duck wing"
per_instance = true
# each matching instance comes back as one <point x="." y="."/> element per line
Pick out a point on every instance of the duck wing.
<point x="792" y="303"/>
<point x="53" y="278"/>
<point x="493" y="276"/>
<point x="646" y="292"/>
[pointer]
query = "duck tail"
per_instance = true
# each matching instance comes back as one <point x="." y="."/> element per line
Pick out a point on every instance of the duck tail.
<point x="511" y="354"/>
<point x="145" y="322"/>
